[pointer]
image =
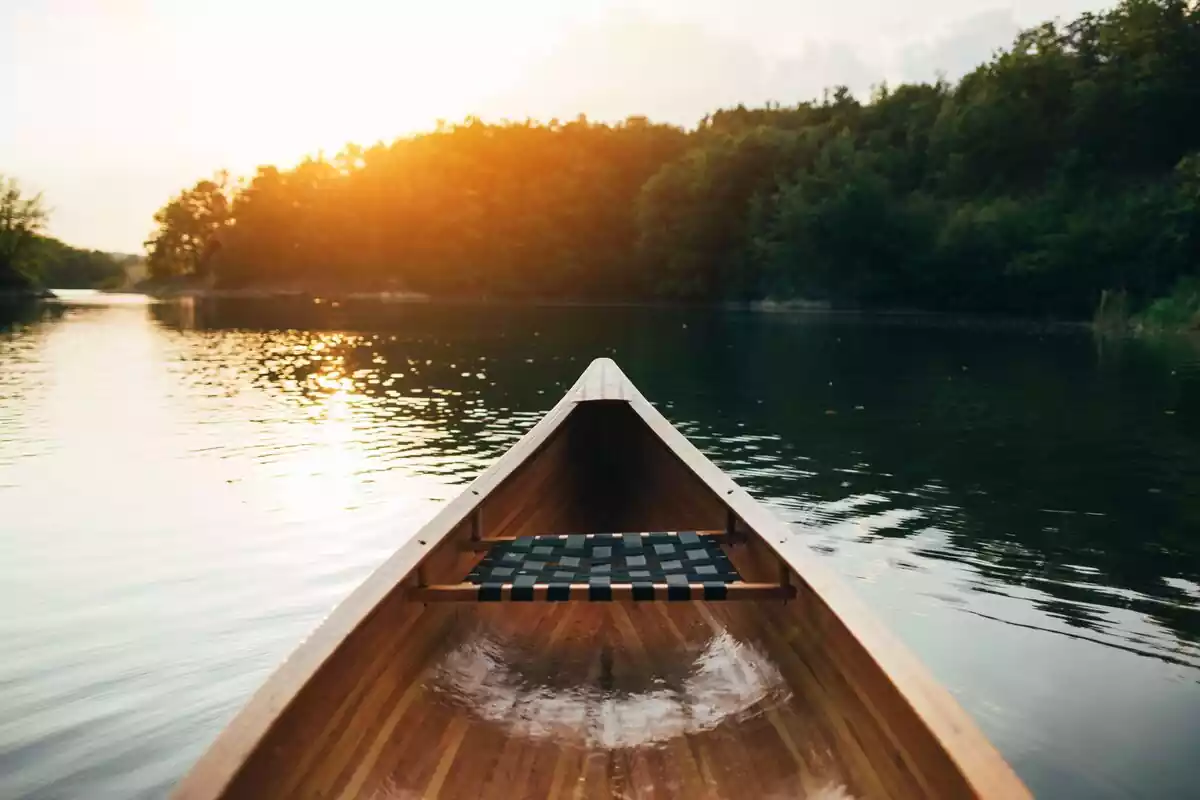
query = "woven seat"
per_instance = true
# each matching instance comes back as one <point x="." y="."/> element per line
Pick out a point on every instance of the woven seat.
<point x="680" y="561"/>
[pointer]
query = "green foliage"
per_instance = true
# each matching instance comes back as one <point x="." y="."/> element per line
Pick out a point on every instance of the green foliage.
<point x="27" y="258"/>
<point x="697" y="213"/>
<point x="832" y="228"/>
<point x="1065" y="167"/>
<point x="1180" y="310"/>
<point x="20" y="220"/>
<point x="60" y="266"/>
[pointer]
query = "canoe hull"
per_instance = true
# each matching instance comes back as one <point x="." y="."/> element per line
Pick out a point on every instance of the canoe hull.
<point x="394" y="697"/>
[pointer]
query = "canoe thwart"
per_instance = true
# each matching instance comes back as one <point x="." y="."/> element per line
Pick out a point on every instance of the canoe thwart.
<point x="599" y="592"/>
<point x="669" y="565"/>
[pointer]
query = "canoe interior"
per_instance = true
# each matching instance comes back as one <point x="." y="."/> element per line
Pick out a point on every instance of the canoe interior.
<point x="603" y="471"/>
<point x="688" y="699"/>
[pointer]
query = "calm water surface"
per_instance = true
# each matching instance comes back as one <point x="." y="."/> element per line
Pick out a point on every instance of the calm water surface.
<point x="187" y="490"/>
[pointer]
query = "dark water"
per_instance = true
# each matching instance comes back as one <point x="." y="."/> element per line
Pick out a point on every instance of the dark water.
<point x="186" y="491"/>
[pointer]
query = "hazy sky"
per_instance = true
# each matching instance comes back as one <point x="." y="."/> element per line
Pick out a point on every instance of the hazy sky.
<point x="111" y="106"/>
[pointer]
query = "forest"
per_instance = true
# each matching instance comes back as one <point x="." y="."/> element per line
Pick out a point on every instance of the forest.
<point x="1061" y="175"/>
<point x="58" y="265"/>
<point x="30" y="260"/>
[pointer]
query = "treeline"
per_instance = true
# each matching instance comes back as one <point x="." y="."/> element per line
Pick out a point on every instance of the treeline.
<point x="58" y="265"/>
<point x="29" y="260"/>
<point x="1065" y="168"/>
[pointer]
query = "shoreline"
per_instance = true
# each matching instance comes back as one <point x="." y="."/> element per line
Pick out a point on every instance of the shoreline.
<point x="779" y="308"/>
<point x="25" y="295"/>
<point x="265" y="293"/>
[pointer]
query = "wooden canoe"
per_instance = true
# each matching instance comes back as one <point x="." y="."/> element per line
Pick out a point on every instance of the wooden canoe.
<point x="436" y="678"/>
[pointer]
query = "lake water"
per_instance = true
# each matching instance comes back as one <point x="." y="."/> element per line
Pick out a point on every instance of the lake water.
<point x="186" y="490"/>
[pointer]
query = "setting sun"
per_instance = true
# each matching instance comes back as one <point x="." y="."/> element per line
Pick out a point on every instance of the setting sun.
<point x="272" y="80"/>
<point x="166" y="91"/>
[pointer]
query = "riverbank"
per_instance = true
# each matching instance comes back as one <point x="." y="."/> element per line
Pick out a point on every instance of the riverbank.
<point x="25" y="295"/>
<point x="267" y="293"/>
<point x="1176" y="313"/>
<point x="800" y="310"/>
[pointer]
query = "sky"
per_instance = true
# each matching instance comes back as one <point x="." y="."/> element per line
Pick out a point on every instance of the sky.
<point x="109" y="107"/>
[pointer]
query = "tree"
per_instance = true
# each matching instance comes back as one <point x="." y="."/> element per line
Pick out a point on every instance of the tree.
<point x="20" y="220"/>
<point x="189" y="227"/>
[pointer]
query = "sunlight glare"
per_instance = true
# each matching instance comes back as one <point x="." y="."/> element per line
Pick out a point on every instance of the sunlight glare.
<point x="310" y="79"/>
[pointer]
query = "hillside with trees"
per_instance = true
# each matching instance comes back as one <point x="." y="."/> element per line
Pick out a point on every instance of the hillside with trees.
<point x="1064" y="170"/>
<point x="58" y="265"/>
<point x="29" y="260"/>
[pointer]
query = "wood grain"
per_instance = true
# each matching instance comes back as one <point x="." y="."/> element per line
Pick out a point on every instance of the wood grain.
<point x="583" y="700"/>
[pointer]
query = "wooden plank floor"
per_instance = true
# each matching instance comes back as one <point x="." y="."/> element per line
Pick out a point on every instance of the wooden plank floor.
<point x="571" y="701"/>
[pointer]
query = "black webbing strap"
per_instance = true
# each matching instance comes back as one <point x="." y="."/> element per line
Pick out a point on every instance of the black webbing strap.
<point x="681" y="560"/>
